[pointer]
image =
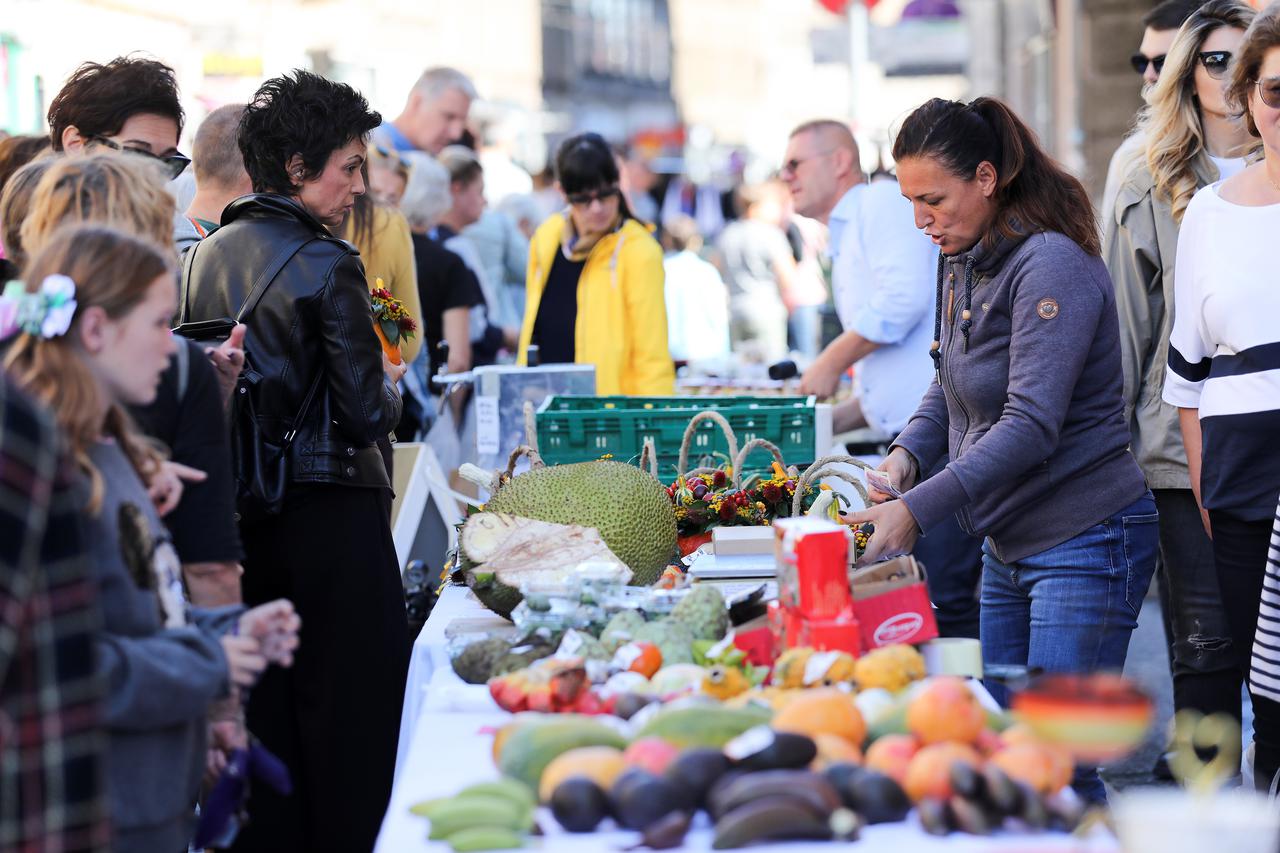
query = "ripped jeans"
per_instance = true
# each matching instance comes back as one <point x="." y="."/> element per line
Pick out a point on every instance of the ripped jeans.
<point x="1206" y="673"/>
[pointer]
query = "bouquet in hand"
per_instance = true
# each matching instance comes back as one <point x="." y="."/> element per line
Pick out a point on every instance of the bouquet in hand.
<point x="391" y="321"/>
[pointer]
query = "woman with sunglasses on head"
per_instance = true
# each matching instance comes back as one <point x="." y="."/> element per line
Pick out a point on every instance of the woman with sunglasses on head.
<point x="1026" y="400"/>
<point x="1191" y="141"/>
<point x="595" y="282"/>
<point x="1224" y="377"/>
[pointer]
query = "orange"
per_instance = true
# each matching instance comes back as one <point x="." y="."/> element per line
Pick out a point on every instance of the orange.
<point x="825" y="710"/>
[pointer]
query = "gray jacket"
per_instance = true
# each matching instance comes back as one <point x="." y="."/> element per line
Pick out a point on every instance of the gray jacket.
<point x="159" y="680"/>
<point x="1140" y="246"/>
<point x="1027" y="399"/>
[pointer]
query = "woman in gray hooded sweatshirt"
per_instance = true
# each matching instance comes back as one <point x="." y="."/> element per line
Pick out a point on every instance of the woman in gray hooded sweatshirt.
<point x="1027" y="400"/>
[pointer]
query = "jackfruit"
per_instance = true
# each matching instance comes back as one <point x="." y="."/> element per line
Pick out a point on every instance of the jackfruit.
<point x="628" y="507"/>
<point x="475" y="663"/>
<point x="703" y="612"/>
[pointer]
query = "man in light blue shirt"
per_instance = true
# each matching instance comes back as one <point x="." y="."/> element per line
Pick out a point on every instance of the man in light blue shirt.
<point x="883" y="274"/>
<point x="434" y="114"/>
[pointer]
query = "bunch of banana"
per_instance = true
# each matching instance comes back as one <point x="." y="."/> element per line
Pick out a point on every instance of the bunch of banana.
<point x="486" y="816"/>
<point x="983" y="800"/>
<point x="776" y="805"/>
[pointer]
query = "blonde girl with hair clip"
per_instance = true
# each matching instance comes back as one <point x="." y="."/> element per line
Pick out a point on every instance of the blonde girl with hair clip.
<point x="1192" y="141"/>
<point x="90" y="336"/>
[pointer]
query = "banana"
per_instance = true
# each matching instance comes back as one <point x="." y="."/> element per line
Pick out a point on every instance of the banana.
<point x="462" y="813"/>
<point x="810" y="789"/>
<point x="968" y="816"/>
<point x="423" y="809"/>
<point x="933" y="816"/>
<point x="517" y="792"/>
<point x="485" y="838"/>
<point x="965" y="780"/>
<point x="1034" y="814"/>
<point x="769" y="819"/>
<point x="1003" y="796"/>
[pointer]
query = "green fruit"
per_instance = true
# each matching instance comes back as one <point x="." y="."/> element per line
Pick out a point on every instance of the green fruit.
<point x="673" y="639"/>
<point x="485" y="838"/>
<point x="703" y="612"/>
<point x="628" y="507"/>
<point x="475" y="663"/>
<point x="529" y="749"/>
<point x="621" y="629"/>
<point x="703" y="725"/>
<point x="516" y="792"/>
<point x="579" y="804"/>
<point x="467" y="812"/>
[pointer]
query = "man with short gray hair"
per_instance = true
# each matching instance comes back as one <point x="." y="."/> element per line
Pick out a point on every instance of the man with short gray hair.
<point x="434" y="114"/>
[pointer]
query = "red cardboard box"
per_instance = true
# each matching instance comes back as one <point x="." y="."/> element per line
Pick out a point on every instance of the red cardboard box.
<point x="813" y="567"/>
<point x="891" y="603"/>
<point x="841" y="634"/>
<point x="756" y="639"/>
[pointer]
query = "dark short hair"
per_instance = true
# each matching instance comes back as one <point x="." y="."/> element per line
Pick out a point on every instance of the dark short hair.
<point x="98" y="99"/>
<point x="303" y="114"/>
<point x="585" y="162"/>
<point x="1170" y="15"/>
<point x="215" y="152"/>
<point x="18" y="151"/>
<point x="1263" y="34"/>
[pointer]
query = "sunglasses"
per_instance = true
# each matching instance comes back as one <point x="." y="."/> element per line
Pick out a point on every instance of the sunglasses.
<point x="1215" y="62"/>
<point x="1269" y="91"/>
<point x="1140" y="62"/>
<point x="175" y="164"/>
<point x="585" y="199"/>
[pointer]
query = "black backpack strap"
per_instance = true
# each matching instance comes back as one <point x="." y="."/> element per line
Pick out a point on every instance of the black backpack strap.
<point x="268" y="275"/>
<point x="184" y="287"/>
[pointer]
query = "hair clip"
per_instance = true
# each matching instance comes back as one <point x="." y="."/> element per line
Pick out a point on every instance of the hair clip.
<point x="47" y="313"/>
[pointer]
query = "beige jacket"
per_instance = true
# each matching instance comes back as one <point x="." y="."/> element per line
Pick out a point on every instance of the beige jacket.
<point x="1140" y="245"/>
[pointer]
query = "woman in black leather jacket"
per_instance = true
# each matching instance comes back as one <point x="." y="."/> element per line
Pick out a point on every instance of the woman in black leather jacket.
<point x="334" y="717"/>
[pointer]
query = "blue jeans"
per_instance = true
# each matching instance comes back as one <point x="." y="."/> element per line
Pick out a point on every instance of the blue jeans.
<point x="1072" y="607"/>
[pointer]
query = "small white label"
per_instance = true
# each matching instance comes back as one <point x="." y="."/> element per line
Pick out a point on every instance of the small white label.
<point x="571" y="645"/>
<point x="720" y="648"/>
<point x="818" y="665"/>
<point x="749" y="743"/>
<point x="488" y="426"/>
<point x="626" y="656"/>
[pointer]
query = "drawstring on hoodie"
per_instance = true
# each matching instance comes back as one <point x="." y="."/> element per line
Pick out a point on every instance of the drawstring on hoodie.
<point x="966" y="312"/>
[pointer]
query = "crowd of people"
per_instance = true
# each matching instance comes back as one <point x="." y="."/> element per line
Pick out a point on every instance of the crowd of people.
<point x="197" y="574"/>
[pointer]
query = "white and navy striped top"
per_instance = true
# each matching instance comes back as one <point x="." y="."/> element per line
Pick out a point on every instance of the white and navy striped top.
<point x="1264" y="666"/>
<point x="1224" y="351"/>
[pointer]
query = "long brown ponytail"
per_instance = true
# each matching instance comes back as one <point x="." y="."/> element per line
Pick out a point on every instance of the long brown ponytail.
<point x="1033" y="193"/>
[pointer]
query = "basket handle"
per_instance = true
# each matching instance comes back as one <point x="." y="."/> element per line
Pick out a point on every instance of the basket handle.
<point x="649" y="453"/>
<point x="719" y="420"/>
<point x="825" y="467"/>
<point x="530" y="426"/>
<point x="752" y="445"/>
<point x="500" y="477"/>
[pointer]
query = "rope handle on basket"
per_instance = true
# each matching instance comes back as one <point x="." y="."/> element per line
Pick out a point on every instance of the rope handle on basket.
<point x="719" y="420"/>
<point x="530" y="426"/>
<point x="824" y="468"/>
<point x="500" y="477"/>
<point x="754" y="443"/>
<point x="649" y="453"/>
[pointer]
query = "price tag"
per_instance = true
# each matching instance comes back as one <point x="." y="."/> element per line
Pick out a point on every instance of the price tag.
<point x="749" y="743"/>
<point x="626" y="656"/>
<point x="571" y="645"/>
<point x="818" y="665"/>
<point x="488" y="426"/>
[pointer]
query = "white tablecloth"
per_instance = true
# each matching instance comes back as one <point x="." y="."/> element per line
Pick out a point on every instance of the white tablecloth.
<point x="445" y="745"/>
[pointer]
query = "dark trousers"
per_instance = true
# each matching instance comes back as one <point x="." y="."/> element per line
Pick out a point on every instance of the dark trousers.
<point x="1240" y="552"/>
<point x="1206" y="675"/>
<point x="953" y="562"/>
<point x="334" y="717"/>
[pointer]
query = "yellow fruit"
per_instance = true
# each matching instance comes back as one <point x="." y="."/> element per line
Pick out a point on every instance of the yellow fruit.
<point x="600" y="764"/>
<point x="825" y="710"/>
<point x="724" y="682"/>
<point x="891" y="668"/>
<point x="788" y="669"/>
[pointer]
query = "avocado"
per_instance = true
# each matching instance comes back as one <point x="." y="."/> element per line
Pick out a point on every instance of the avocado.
<point x="877" y="797"/>
<point x="640" y="798"/>
<point x="578" y="804"/>
<point x="695" y="770"/>
<point x="762" y="748"/>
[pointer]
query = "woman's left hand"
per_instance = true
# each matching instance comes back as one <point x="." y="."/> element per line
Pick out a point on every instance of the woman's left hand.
<point x="165" y="487"/>
<point x="896" y="530"/>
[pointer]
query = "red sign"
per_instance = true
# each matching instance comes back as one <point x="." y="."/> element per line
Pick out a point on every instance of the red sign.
<point x="836" y="7"/>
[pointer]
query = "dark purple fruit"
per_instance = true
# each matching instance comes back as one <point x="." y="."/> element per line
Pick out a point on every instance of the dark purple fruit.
<point x="640" y="798"/>
<point x="877" y="797"/>
<point x="695" y="770"/>
<point x="579" y="804"/>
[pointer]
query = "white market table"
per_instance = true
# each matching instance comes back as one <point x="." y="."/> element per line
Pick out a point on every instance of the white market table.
<point x="446" y="745"/>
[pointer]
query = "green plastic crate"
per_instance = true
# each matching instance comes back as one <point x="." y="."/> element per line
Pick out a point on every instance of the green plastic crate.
<point x="580" y="429"/>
